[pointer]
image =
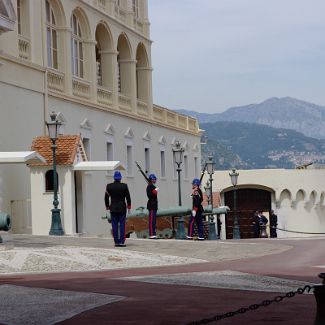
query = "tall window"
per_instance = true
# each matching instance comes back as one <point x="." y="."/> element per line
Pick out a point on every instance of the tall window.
<point x="147" y="160"/>
<point x="162" y="164"/>
<point x="185" y="167"/>
<point x="119" y="85"/>
<point x="51" y="35"/>
<point x="19" y="16"/>
<point x="135" y="8"/>
<point x="109" y="151"/>
<point x="86" y="143"/>
<point x="77" y="48"/>
<point x="129" y="159"/>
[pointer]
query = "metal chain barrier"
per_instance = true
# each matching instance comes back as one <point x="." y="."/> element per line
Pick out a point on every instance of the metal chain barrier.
<point x="302" y="232"/>
<point x="243" y="310"/>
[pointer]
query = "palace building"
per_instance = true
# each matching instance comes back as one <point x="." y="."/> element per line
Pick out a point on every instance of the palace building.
<point x="90" y="62"/>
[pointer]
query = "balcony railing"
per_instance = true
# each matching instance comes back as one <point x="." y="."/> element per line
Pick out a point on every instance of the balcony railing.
<point x="24" y="47"/>
<point x="124" y="102"/>
<point x="80" y="88"/>
<point x="142" y="108"/>
<point x="104" y="96"/>
<point x="55" y="81"/>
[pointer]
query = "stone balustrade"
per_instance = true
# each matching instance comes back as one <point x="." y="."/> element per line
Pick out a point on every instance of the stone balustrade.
<point x="55" y="81"/>
<point x="24" y="47"/>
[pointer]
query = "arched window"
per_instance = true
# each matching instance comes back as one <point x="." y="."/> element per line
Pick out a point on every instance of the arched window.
<point x="49" y="181"/>
<point x="51" y="35"/>
<point x="77" y="48"/>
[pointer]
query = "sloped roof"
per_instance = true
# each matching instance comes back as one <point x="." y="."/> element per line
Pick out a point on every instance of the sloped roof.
<point x="66" y="149"/>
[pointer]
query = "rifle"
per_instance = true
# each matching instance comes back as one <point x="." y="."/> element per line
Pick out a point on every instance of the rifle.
<point x="142" y="172"/>
<point x="203" y="171"/>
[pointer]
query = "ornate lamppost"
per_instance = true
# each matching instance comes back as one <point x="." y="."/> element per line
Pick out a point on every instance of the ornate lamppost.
<point x="178" y="153"/>
<point x="56" y="226"/>
<point x="234" y="179"/>
<point x="212" y="225"/>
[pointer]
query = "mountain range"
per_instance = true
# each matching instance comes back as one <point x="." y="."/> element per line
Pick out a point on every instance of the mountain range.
<point x="286" y="112"/>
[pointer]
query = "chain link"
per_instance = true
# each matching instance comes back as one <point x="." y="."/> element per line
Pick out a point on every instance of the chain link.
<point x="243" y="310"/>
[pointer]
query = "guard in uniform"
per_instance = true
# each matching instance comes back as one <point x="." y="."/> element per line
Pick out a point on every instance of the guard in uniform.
<point x="197" y="209"/>
<point x="256" y="224"/>
<point x="117" y="200"/>
<point x="152" y="205"/>
<point x="273" y="224"/>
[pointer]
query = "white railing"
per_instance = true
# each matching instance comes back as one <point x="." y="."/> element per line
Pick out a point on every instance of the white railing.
<point x="55" y="81"/>
<point x="142" y="108"/>
<point x="80" y="88"/>
<point x="104" y="96"/>
<point x="182" y="121"/>
<point x="24" y="47"/>
<point x="124" y="102"/>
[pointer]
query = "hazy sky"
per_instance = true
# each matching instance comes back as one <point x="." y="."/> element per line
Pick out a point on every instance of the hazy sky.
<point x="209" y="55"/>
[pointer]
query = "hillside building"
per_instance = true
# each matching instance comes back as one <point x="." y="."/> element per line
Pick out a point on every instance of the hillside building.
<point x="90" y="62"/>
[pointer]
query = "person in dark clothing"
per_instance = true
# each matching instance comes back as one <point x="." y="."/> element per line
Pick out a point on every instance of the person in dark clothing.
<point x="273" y="224"/>
<point x="256" y="224"/>
<point x="115" y="196"/>
<point x="152" y="205"/>
<point x="263" y="222"/>
<point x="197" y="209"/>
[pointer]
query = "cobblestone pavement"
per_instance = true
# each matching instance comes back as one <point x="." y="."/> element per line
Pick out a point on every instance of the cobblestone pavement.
<point x="154" y="282"/>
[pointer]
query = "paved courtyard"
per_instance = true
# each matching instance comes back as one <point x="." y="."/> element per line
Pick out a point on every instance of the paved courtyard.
<point x="80" y="280"/>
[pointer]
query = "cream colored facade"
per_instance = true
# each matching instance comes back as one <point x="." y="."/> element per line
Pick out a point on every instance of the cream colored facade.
<point x="89" y="61"/>
<point x="297" y="196"/>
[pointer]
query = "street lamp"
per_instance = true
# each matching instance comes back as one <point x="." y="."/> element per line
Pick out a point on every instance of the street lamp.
<point x="234" y="179"/>
<point x="56" y="226"/>
<point x="212" y="225"/>
<point x="178" y="153"/>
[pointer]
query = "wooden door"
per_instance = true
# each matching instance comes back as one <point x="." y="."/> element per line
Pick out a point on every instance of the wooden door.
<point x="247" y="202"/>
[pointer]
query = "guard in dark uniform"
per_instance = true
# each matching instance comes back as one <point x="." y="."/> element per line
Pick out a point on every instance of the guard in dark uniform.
<point x="273" y="224"/>
<point x="256" y="224"/>
<point x="197" y="209"/>
<point x="152" y="205"/>
<point x="115" y="196"/>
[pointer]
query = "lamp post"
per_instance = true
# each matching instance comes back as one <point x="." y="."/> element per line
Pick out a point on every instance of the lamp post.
<point x="234" y="179"/>
<point x="178" y="152"/>
<point x="56" y="226"/>
<point x="212" y="225"/>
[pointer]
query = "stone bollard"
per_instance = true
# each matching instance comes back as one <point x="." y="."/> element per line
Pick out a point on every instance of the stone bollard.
<point x="319" y="292"/>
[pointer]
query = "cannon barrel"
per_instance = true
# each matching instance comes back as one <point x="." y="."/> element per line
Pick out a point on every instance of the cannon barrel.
<point x="173" y="212"/>
<point x="5" y="222"/>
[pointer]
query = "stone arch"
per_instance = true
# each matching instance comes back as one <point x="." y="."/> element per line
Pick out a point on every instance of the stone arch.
<point x="142" y="73"/>
<point x="104" y="56"/>
<point x="285" y="198"/>
<point x="124" y="60"/>
<point x="300" y="199"/>
<point x="311" y="201"/>
<point x="84" y="22"/>
<point x="59" y="13"/>
<point x="322" y="199"/>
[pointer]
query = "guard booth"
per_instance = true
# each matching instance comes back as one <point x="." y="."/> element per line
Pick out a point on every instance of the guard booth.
<point x="18" y="210"/>
<point x="72" y="167"/>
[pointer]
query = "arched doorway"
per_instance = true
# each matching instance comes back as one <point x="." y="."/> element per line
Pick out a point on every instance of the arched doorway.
<point x="248" y="200"/>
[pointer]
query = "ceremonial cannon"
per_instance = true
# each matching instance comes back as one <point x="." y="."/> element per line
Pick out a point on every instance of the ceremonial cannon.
<point x="171" y="212"/>
<point x="5" y="222"/>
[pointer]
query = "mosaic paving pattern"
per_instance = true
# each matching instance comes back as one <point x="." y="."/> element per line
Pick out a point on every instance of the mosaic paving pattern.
<point x="37" y="306"/>
<point x="224" y="279"/>
<point x="70" y="259"/>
